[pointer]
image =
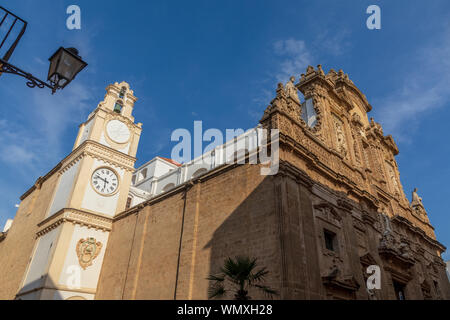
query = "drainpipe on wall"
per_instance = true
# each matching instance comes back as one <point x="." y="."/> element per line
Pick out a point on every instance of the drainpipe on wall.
<point x="188" y="187"/>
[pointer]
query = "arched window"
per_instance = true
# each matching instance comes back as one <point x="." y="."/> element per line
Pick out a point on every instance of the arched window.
<point x="118" y="107"/>
<point x="199" y="172"/>
<point x="122" y="92"/>
<point x="309" y="113"/>
<point x="168" y="187"/>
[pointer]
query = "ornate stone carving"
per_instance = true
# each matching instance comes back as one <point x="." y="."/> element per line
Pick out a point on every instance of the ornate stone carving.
<point x="405" y="250"/>
<point x="87" y="250"/>
<point x="335" y="278"/>
<point x="416" y="200"/>
<point x="393" y="178"/>
<point x="388" y="241"/>
<point x="394" y="249"/>
<point x="341" y="141"/>
<point x="356" y="150"/>
<point x="327" y="212"/>
<point x="417" y="205"/>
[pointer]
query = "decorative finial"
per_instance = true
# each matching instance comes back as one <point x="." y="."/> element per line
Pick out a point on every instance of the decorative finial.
<point x="280" y="90"/>
<point x="319" y="68"/>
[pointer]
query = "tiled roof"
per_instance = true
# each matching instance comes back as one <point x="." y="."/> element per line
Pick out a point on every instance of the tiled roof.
<point x="171" y="161"/>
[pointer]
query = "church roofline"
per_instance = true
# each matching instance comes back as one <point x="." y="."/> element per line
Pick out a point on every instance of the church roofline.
<point x="166" y="160"/>
<point x="170" y="161"/>
<point x="41" y="180"/>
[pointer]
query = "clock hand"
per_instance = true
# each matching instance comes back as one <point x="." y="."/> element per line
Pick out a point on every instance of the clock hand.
<point x="100" y="178"/>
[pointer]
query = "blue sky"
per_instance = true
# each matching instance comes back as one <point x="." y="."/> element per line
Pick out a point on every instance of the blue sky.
<point x="220" y="61"/>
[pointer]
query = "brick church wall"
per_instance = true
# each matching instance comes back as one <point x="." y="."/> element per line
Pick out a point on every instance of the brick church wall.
<point x="17" y="248"/>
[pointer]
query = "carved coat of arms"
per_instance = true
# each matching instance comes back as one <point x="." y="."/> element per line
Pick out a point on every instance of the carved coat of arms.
<point x="87" y="250"/>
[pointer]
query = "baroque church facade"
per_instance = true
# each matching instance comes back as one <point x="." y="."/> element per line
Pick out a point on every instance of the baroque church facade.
<point x="94" y="227"/>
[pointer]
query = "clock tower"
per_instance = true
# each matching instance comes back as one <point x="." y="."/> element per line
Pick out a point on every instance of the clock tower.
<point x="92" y="187"/>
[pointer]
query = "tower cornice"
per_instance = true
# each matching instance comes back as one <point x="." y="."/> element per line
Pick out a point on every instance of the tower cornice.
<point x="98" y="151"/>
<point x="75" y="216"/>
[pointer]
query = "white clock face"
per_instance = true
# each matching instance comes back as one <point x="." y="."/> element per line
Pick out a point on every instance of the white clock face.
<point x="105" y="181"/>
<point x="118" y="131"/>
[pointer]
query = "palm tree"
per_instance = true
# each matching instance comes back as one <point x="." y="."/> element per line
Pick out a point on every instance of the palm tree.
<point x="242" y="273"/>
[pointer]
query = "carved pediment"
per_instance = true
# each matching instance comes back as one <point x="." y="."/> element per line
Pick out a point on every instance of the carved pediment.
<point x="398" y="255"/>
<point x="344" y="204"/>
<point x="327" y="211"/>
<point x="368" y="260"/>
<point x="334" y="279"/>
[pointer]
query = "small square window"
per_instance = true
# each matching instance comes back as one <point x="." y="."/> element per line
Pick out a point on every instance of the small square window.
<point x="399" y="290"/>
<point x="330" y="240"/>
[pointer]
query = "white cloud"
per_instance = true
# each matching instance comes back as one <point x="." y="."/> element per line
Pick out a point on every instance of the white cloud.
<point x="334" y="43"/>
<point x="54" y="114"/>
<point x="291" y="57"/>
<point x="15" y="154"/>
<point x="295" y="57"/>
<point x="425" y="88"/>
<point x="32" y="142"/>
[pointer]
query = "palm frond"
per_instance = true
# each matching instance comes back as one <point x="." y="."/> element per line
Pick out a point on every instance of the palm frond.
<point x="216" y="291"/>
<point x="267" y="290"/>
<point x="258" y="276"/>
<point x="217" y="278"/>
<point x="239" y="268"/>
<point x="241" y="272"/>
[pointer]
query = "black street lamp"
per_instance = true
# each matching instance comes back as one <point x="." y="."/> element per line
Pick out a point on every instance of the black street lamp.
<point x="65" y="63"/>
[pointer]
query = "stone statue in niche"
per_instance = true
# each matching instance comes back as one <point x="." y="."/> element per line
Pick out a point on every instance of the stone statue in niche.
<point x="393" y="178"/>
<point x="340" y="136"/>
<point x="291" y="90"/>
<point x="356" y="150"/>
